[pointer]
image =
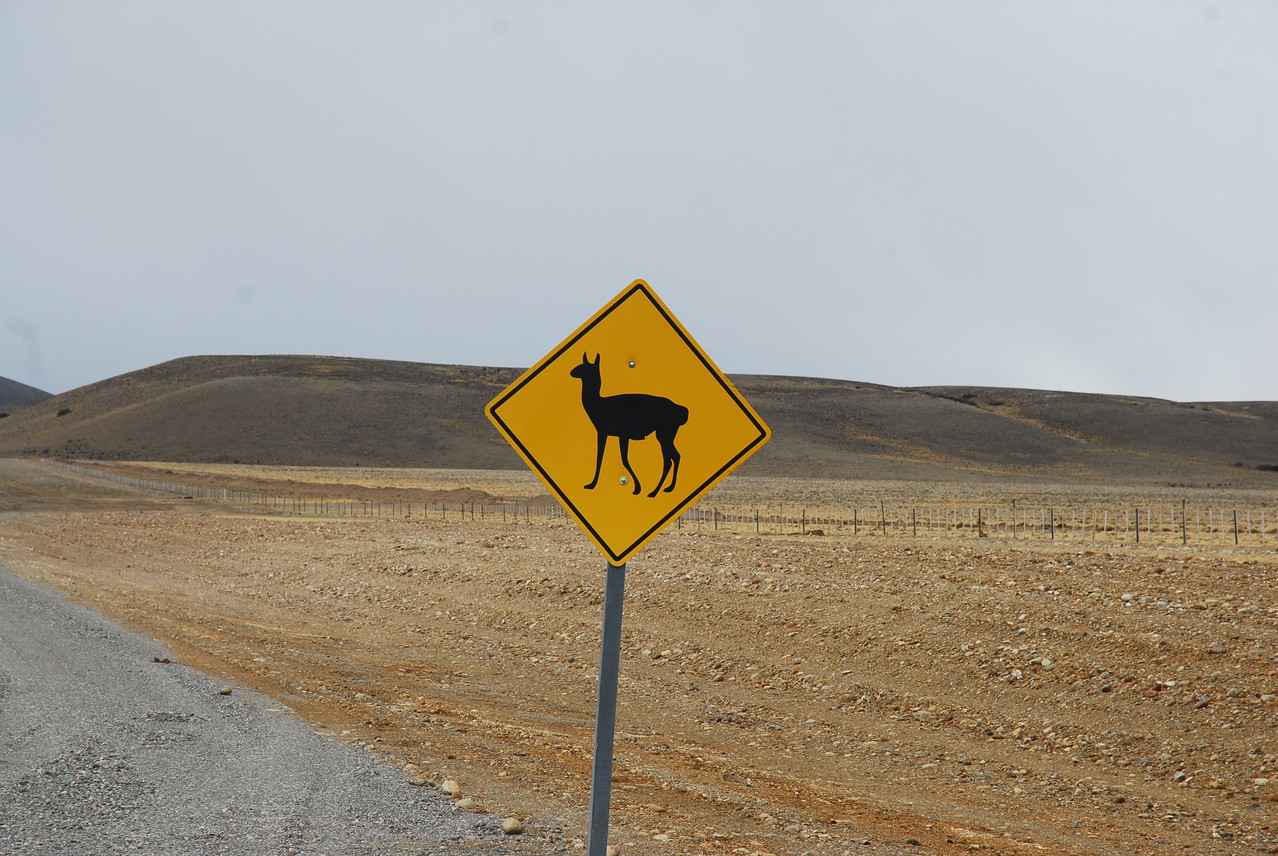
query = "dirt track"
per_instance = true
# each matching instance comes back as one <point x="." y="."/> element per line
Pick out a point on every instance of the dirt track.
<point x="778" y="694"/>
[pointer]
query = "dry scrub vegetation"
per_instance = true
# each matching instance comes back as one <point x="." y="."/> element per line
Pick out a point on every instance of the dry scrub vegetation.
<point x="779" y="694"/>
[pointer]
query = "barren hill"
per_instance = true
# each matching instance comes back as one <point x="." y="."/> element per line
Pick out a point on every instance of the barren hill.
<point x="331" y="411"/>
<point x="14" y="395"/>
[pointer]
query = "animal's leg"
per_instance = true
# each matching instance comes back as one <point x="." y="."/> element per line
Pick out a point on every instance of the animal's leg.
<point x="665" y="468"/>
<point x="672" y="454"/>
<point x="669" y="463"/>
<point x="599" y="453"/>
<point x="625" y="461"/>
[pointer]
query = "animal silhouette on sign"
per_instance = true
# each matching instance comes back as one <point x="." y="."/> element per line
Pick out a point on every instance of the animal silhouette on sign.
<point x="632" y="416"/>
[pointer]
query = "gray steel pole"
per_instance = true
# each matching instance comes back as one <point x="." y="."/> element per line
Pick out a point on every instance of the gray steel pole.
<point x="606" y="711"/>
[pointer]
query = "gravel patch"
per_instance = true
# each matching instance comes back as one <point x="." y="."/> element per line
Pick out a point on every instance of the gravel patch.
<point x="108" y="746"/>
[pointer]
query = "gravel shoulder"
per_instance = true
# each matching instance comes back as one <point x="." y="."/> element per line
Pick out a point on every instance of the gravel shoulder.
<point x="110" y="746"/>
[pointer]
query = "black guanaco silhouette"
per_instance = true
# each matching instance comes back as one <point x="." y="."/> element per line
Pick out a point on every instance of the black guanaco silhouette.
<point x="632" y="416"/>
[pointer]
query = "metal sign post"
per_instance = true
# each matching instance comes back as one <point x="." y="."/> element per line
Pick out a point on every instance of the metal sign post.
<point x="606" y="711"/>
<point x="630" y="374"/>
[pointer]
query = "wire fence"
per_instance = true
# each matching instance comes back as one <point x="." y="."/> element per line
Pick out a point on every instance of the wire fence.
<point x="1148" y="523"/>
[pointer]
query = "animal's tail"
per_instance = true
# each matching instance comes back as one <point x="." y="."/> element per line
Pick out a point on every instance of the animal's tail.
<point x="681" y="414"/>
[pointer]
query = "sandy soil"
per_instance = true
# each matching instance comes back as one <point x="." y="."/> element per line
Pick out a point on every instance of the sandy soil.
<point x="779" y="694"/>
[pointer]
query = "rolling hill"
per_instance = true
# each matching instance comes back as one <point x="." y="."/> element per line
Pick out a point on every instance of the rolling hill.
<point x="14" y="395"/>
<point x="336" y="411"/>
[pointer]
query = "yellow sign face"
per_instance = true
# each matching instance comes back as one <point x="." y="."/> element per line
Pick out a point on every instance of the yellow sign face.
<point x="628" y="422"/>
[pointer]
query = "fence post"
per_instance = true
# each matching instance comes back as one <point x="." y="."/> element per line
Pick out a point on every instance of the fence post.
<point x="1235" y="527"/>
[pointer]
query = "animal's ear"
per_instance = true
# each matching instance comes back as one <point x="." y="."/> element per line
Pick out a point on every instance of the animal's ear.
<point x="596" y="359"/>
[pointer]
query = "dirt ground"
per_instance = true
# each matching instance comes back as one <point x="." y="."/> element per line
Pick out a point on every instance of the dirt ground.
<point x="779" y="694"/>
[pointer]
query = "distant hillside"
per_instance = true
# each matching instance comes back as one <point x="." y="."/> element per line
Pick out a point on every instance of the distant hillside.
<point x="331" y="411"/>
<point x="14" y="395"/>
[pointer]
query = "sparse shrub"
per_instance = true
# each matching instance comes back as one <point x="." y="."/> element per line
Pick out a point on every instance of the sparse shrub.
<point x="64" y="411"/>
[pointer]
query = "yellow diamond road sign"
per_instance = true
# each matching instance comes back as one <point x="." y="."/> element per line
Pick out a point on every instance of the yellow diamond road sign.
<point x="628" y="422"/>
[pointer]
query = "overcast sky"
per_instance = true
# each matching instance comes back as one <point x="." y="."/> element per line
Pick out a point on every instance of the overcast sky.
<point x="1059" y="195"/>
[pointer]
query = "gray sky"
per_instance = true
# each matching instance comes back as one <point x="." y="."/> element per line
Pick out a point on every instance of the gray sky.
<point x="1061" y="195"/>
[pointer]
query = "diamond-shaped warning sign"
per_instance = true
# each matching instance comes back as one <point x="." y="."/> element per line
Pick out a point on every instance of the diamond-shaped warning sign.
<point x="628" y="422"/>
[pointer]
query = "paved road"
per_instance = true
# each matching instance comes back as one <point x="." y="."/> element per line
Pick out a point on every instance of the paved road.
<point x="104" y="751"/>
